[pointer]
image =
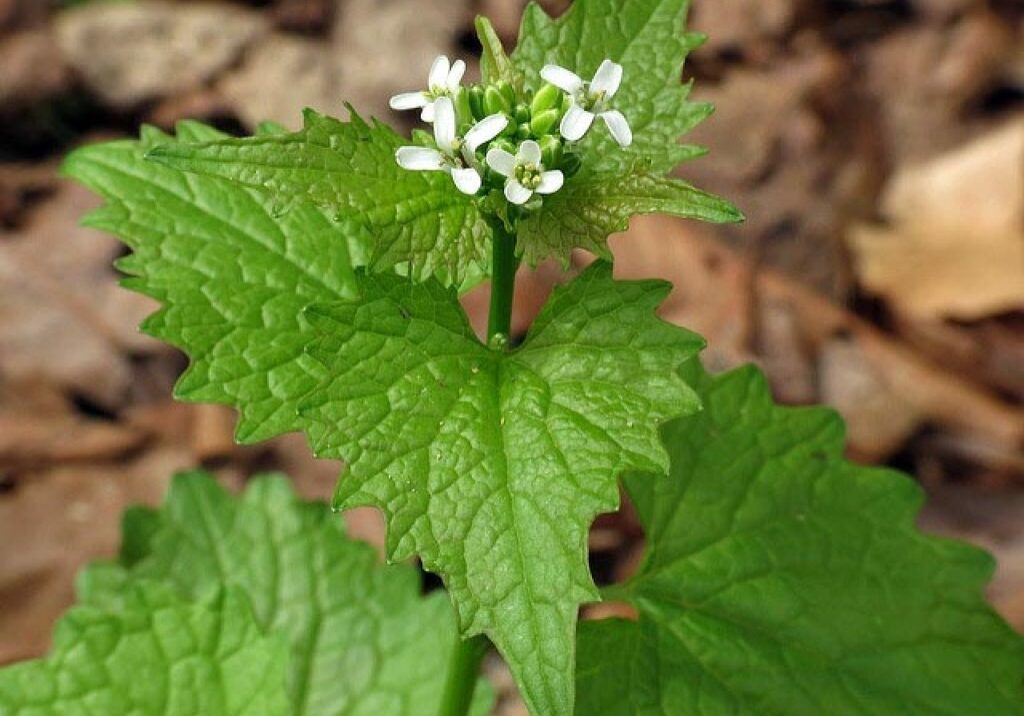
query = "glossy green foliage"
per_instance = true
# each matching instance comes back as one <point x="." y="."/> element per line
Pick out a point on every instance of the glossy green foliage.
<point x="417" y="221"/>
<point x="782" y="579"/>
<point x="263" y="589"/>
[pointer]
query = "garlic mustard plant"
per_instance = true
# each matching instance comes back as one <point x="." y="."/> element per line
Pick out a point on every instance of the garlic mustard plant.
<point x="313" y="279"/>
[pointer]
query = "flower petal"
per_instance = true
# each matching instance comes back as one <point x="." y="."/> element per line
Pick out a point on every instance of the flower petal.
<point x="618" y="126"/>
<point x="576" y="123"/>
<point x="409" y="100"/>
<point x="550" y="182"/>
<point x="444" y="124"/>
<point x="607" y="79"/>
<point x="485" y="130"/>
<point x="516" y="192"/>
<point x="438" y="77"/>
<point x="467" y="180"/>
<point x="419" y="159"/>
<point x="562" y="78"/>
<point x="427" y="115"/>
<point x="455" y="75"/>
<point x="529" y="153"/>
<point x="501" y="161"/>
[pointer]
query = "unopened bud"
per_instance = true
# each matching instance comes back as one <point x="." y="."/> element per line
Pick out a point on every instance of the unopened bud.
<point x="548" y="97"/>
<point x="476" y="102"/>
<point x="495" y="102"/>
<point x="507" y="91"/>
<point x="544" y="122"/>
<point x="506" y="144"/>
<point x="510" y="130"/>
<point x="522" y="113"/>
<point x="551" y="150"/>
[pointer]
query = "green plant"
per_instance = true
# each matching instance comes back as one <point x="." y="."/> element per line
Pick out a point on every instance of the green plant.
<point x="313" y="279"/>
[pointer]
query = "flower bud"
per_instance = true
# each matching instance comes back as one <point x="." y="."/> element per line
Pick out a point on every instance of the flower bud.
<point x="522" y="113"/>
<point x="548" y="97"/>
<point x="510" y="130"/>
<point x="495" y="102"/>
<point x="551" y="150"/>
<point x="476" y="102"/>
<point x="523" y="132"/>
<point x="507" y="91"/>
<point x="544" y="122"/>
<point x="506" y="144"/>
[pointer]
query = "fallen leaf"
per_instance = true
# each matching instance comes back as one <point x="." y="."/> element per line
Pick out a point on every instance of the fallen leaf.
<point x="931" y="272"/>
<point x="384" y="47"/>
<point x="282" y="75"/>
<point x="36" y="432"/>
<point x="979" y="185"/>
<point x="739" y="23"/>
<point x="129" y="53"/>
<point x="955" y="247"/>
<point x="31" y="69"/>
<point x="62" y="316"/>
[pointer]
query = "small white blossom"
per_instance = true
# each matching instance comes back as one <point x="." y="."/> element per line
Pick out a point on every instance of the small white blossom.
<point x="589" y="100"/>
<point x="453" y="154"/>
<point x="524" y="172"/>
<point x="444" y="81"/>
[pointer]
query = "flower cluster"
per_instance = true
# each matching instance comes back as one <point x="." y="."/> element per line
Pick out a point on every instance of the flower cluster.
<point x="488" y="137"/>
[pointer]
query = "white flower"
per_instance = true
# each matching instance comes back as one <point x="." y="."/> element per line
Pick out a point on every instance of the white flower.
<point x="454" y="155"/>
<point x="444" y="81"/>
<point x="524" y="171"/>
<point x="589" y="100"/>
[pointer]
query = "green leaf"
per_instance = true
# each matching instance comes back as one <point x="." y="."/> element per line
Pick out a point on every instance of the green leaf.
<point x="418" y="221"/>
<point x="591" y="208"/>
<point x="494" y="63"/>
<point x="233" y="275"/>
<point x="153" y="654"/>
<point x="781" y="579"/>
<point x="614" y="184"/>
<point x="362" y="640"/>
<point x="491" y="465"/>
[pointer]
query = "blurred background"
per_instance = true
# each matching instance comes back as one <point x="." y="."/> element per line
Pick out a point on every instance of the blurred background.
<point x="877" y="147"/>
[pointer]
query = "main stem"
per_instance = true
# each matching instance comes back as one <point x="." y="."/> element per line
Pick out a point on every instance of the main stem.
<point x="463" y="672"/>
<point x="503" y="281"/>
<point x="464" y="664"/>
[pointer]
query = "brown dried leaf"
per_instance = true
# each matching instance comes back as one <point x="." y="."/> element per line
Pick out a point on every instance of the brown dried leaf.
<point x="956" y="248"/>
<point x="62" y="316"/>
<point x="933" y="272"/>
<point x="282" y="75"/>
<point x="129" y="53"/>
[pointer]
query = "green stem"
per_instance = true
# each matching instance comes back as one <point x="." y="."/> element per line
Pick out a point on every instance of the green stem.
<point x="503" y="281"/>
<point x="463" y="672"/>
